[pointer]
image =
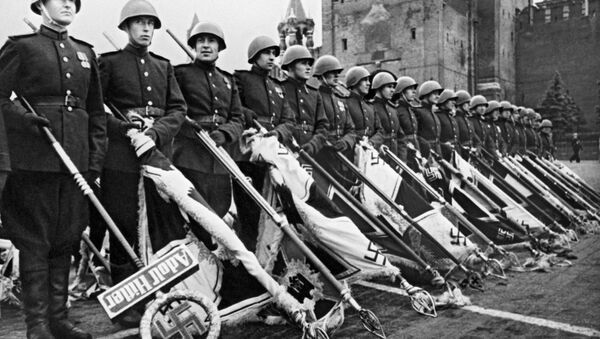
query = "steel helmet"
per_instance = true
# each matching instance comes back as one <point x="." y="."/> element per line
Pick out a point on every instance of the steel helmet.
<point x="207" y="28"/>
<point x="492" y="106"/>
<point x="36" y="10"/>
<point x="355" y="75"/>
<point x="446" y="95"/>
<point x="546" y="123"/>
<point x="428" y="87"/>
<point x="381" y="79"/>
<point x="530" y="113"/>
<point x="477" y="100"/>
<point x="505" y="105"/>
<point x="134" y="8"/>
<point x="295" y="53"/>
<point x="537" y="116"/>
<point x="327" y="63"/>
<point x="259" y="44"/>
<point x="521" y="109"/>
<point x="463" y="97"/>
<point x="403" y="83"/>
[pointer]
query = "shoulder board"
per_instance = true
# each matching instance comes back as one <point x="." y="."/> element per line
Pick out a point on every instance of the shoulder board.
<point x="241" y="71"/>
<point x="159" y="57"/>
<point x="82" y="42"/>
<point x="183" y="65"/>
<point x="341" y="92"/>
<point x="110" y="53"/>
<point x="21" y="36"/>
<point x="276" y="80"/>
<point x="224" y="72"/>
<point x="310" y="86"/>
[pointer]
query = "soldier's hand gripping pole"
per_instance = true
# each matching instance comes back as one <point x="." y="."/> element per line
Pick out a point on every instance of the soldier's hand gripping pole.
<point x="493" y="266"/>
<point x="473" y="279"/>
<point x="370" y="321"/>
<point x="86" y="189"/>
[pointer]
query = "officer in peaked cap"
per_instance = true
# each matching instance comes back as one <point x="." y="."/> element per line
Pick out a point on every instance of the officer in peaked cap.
<point x="142" y="86"/>
<point x="213" y="103"/>
<point x="43" y="210"/>
<point x="366" y="122"/>
<point x="263" y="101"/>
<point x="311" y="122"/>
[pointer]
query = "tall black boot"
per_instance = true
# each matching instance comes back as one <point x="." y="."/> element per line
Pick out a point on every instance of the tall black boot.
<point x="35" y="302"/>
<point x="60" y="325"/>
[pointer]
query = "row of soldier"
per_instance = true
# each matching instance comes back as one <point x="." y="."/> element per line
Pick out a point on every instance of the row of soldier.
<point x="42" y="210"/>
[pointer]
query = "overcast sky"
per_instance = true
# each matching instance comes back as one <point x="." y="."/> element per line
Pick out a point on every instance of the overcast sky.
<point x="242" y="20"/>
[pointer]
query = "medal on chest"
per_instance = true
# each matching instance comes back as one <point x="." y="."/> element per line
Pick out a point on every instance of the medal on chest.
<point x="85" y="63"/>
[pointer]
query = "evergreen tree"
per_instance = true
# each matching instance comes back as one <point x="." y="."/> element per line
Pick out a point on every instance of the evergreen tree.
<point x="559" y="107"/>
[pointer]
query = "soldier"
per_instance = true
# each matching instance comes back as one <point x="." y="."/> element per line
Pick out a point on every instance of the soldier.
<point x="493" y="142"/>
<point x="520" y="137"/>
<point x="263" y="100"/>
<point x="141" y="85"/>
<point x="428" y="122"/>
<point x="547" y="146"/>
<point x="463" y="120"/>
<point x="43" y="210"/>
<point x="405" y="94"/>
<point x="530" y="135"/>
<point x="477" y="106"/>
<point x="213" y="102"/>
<point x="535" y="125"/>
<point x="366" y="122"/>
<point x="263" y="95"/>
<point x="312" y="125"/>
<point x="448" y="127"/>
<point x="507" y="127"/>
<point x="340" y="134"/>
<point x="393" y="135"/>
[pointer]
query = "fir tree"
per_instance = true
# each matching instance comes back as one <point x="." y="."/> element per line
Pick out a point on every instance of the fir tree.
<point x="559" y="107"/>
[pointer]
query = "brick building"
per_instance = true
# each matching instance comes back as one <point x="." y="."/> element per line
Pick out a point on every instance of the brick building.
<point x="564" y="36"/>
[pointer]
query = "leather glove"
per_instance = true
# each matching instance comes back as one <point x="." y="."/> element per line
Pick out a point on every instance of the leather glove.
<point x="218" y="137"/>
<point x="308" y="148"/>
<point x="91" y="176"/>
<point x="340" y="146"/>
<point x="34" y="121"/>
<point x="432" y="174"/>
<point x="249" y="116"/>
<point x="125" y="126"/>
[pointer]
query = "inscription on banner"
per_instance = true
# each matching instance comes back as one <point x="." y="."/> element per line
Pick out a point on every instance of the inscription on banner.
<point x="145" y="282"/>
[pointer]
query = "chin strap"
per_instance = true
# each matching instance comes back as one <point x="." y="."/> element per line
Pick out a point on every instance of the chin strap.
<point x="47" y="15"/>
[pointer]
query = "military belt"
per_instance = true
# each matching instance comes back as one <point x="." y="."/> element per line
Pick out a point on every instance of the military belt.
<point x="147" y="112"/>
<point x="67" y="101"/>
<point x="306" y="127"/>
<point x="210" y="122"/>
<point x="266" y="121"/>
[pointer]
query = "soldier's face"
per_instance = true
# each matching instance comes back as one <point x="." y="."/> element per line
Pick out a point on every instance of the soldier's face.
<point x="410" y="93"/>
<point x="266" y="59"/>
<point x="387" y="91"/>
<point x="465" y="108"/>
<point x="61" y="11"/>
<point x="207" y="48"/>
<point x="140" y="30"/>
<point x="433" y="97"/>
<point x="506" y="114"/>
<point x="301" y="70"/>
<point x="480" y="109"/>
<point x="449" y="105"/>
<point x="363" y="86"/>
<point x="331" y="78"/>
<point x="495" y="115"/>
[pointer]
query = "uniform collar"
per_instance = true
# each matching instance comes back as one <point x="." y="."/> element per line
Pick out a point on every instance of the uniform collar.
<point x="257" y="70"/>
<point x="138" y="51"/>
<point x="52" y="34"/>
<point x="356" y="96"/>
<point x="205" y="66"/>
<point x="297" y="83"/>
<point x="325" y="89"/>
